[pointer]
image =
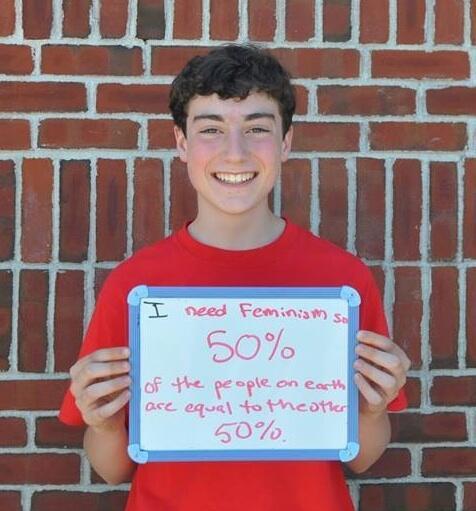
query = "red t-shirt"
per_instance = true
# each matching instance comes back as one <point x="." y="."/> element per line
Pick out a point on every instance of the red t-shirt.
<point x="296" y="258"/>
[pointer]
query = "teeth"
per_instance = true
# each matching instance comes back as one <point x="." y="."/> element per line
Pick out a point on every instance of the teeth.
<point x="234" y="178"/>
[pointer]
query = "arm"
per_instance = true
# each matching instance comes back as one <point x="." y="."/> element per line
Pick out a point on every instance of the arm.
<point x="381" y="369"/>
<point x="107" y="453"/>
<point x="99" y="383"/>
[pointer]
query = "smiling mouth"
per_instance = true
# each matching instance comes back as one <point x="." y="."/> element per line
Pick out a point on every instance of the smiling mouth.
<point x="232" y="178"/>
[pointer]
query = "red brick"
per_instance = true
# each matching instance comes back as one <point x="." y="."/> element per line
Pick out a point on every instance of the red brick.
<point x="50" y="432"/>
<point x="330" y="136"/>
<point x="408" y="497"/>
<point x="55" y="500"/>
<point x="14" y="134"/>
<point x="224" y="20"/>
<point x="449" y="461"/>
<point x="453" y="391"/>
<point x="469" y="232"/>
<point x="150" y="19"/>
<point x="89" y="133"/>
<point x="113" y="18"/>
<point x="413" y="392"/>
<point x="296" y="192"/>
<point x="425" y="428"/>
<point x="471" y="316"/>
<point x="10" y="500"/>
<point x="37" y="19"/>
<point x="7" y="20"/>
<point x="336" y="20"/>
<point x="300" y="62"/>
<point x="262" y="20"/>
<point x="379" y="276"/>
<point x="69" y="316"/>
<point x="365" y="100"/>
<point x="469" y="490"/>
<point x="133" y="98"/>
<point x="7" y="210"/>
<point x="302" y="95"/>
<point x="333" y="200"/>
<point x="91" y="60"/>
<point x="319" y="63"/>
<point x="420" y="64"/>
<point x="187" y="19"/>
<point x="393" y="463"/>
<point x="161" y="134"/>
<point x="15" y="59"/>
<point x="74" y="211"/>
<point x="40" y="468"/>
<point x="32" y="394"/>
<point x="370" y="235"/>
<point x="299" y="20"/>
<point x="449" y="21"/>
<point x="425" y="136"/>
<point x="473" y="21"/>
<point x="408" y="311"/>
<point x="443" y="210"/>
<point x="37" y="191"/>
<point x="407" y="204"/>
<point x="111" y="221"/>
<point x="169" y="60"/>
<point x="374" y="21"/>
<point x="452" y="101"/>
<point x="6" y="310"/>
<point x="76" y="18"/>
<point x="148" y="220"/>
<point x="13" y="432"/>
<point x="183" y="198"/>
<point x="410" y="21"/>
<point x="32" y="331"/>
<point x="42" y="97"/>
<point x="100" y="276"/>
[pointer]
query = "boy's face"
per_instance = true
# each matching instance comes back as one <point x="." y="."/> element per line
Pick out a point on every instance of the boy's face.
<point x="233" y="150"/>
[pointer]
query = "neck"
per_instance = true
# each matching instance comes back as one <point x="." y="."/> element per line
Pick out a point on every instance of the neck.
<point x="237" y="232"/>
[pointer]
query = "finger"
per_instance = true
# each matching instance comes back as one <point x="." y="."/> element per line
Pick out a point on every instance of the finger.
<point x="96" y="392"/>
<point x="371" y="395"/>
<point x="105" y="411"/>
<point x="103" y="355"/>
<point x="388" y="361"/>
<point x="373" y="339"/>
<point x="97" y="370"/>
<point x="385" y="383"/>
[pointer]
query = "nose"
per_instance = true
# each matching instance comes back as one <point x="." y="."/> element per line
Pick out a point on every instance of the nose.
<point x="235" y="146"/>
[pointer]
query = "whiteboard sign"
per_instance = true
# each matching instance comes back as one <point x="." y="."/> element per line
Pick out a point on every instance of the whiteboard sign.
<point x="222" y="373"/>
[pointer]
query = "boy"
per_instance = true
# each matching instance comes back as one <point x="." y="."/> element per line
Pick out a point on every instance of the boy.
<point x="232" y="111"/>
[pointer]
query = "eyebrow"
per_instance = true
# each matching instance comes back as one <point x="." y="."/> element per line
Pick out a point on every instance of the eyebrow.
<point x="249" y="117"/>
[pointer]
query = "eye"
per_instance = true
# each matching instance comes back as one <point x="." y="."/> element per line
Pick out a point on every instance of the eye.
<point x="209" y="131"/>
<point x="258" y="130"/>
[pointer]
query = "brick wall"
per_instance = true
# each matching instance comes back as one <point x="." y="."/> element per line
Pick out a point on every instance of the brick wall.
<point x="384" y="164"/>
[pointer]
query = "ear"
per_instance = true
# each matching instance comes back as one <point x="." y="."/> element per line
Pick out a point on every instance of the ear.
<point x="181" y="143"/>
<point x="286" y="144"/>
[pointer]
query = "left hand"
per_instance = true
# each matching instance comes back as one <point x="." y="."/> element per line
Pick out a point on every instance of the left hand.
<point x="381" y="371"/>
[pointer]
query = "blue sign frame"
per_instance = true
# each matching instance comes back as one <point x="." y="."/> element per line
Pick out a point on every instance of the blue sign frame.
<point x="139" y="455"/>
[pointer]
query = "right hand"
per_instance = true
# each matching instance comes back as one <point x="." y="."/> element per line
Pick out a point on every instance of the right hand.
<point x="100" y="385"/>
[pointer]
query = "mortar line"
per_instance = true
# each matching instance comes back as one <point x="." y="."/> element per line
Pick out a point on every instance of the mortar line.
<point x="315" y="212"/>
<point x="129" y="205"/>
<point x="426" y="381"/>
<point x="351" y="167"/>
<point x="389" y="289"/>
<point x="462" y="291"/>
<point x="167" y="165"/>
<point x="205" y="22"/>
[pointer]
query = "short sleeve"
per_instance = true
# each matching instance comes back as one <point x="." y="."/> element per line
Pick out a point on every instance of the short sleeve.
<point x="372" y="318"/>
<point x="107" y="329"/>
